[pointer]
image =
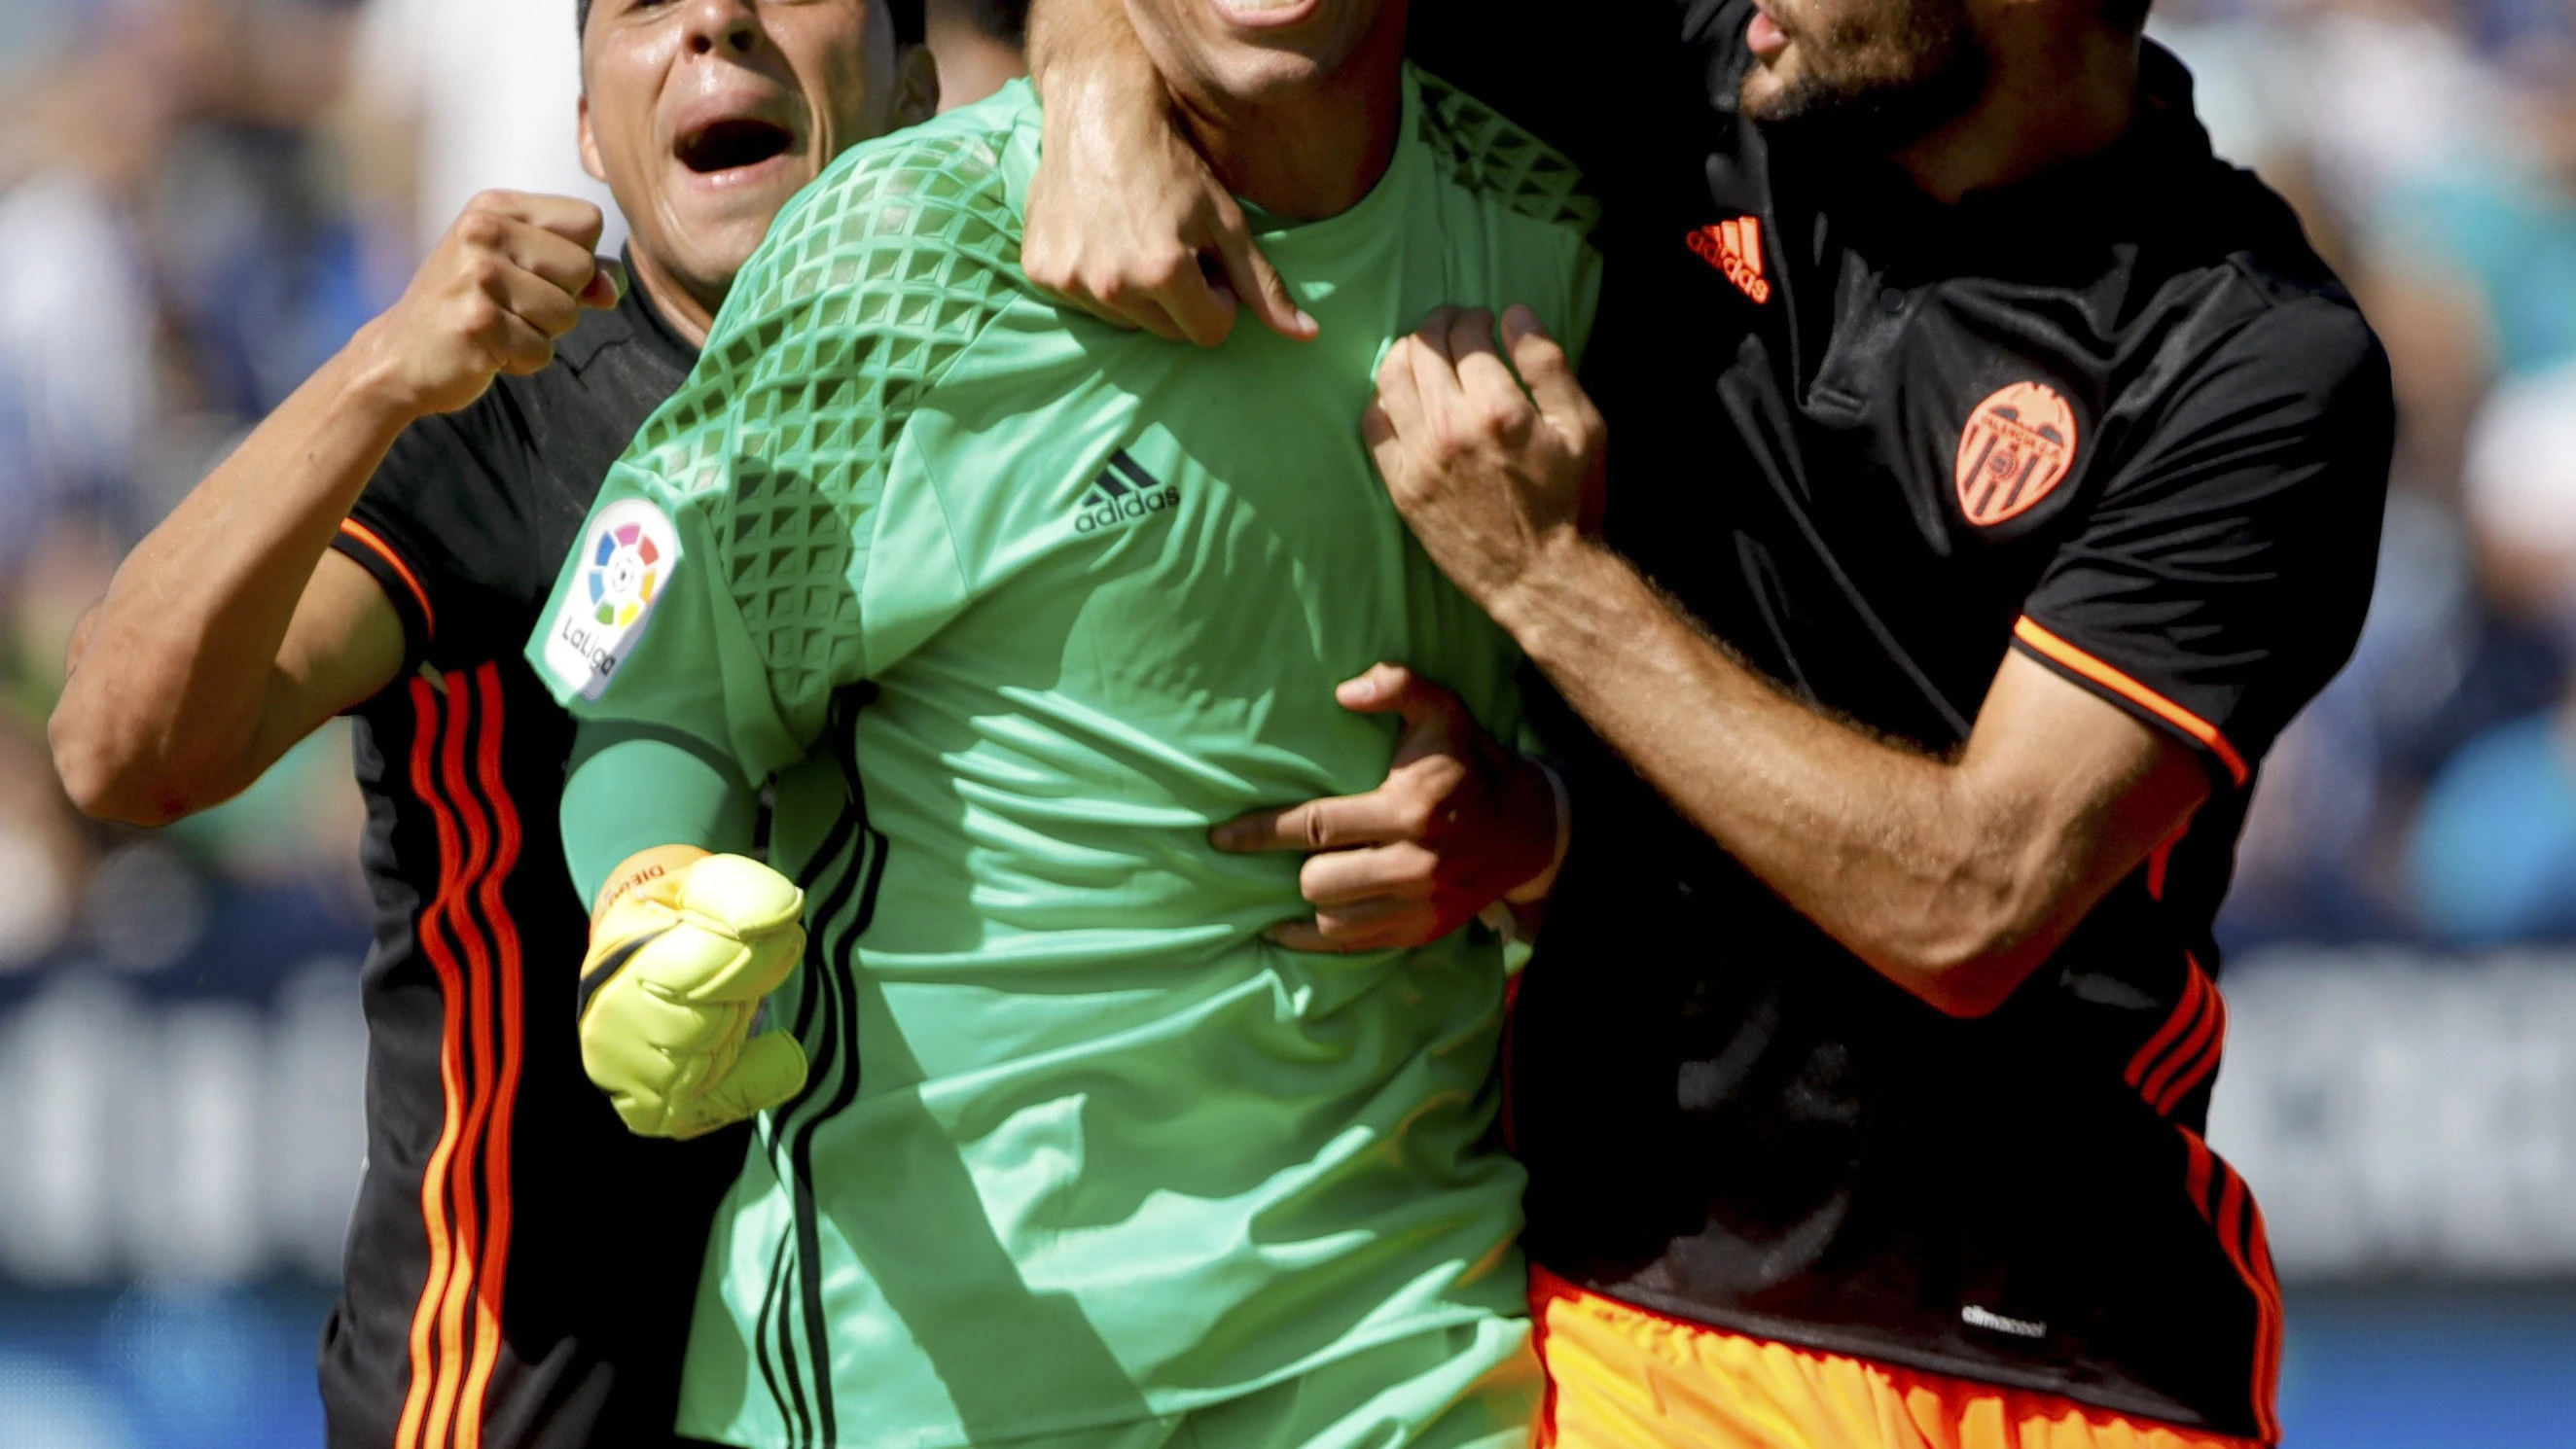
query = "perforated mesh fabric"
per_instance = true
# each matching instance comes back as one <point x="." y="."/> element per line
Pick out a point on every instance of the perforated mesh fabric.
<point x="867" y="290"/>
<point x="889" y="472"/>
<point x="1489" y="154"/>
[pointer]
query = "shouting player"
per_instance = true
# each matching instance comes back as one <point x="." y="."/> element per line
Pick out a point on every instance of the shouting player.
<point x="1010" y="608"/>
<point x="2008" y="472"/>
<point x="380" y="546"/>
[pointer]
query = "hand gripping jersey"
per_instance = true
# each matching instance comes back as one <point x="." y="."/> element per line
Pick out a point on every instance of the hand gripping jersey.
<point x="1080" y="1148"/>
<point x="2118" y="417"/>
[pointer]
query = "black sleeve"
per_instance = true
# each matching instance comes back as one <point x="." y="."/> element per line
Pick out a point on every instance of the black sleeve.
<point x="444" y="525"/>
<point x="2221" y="579"/>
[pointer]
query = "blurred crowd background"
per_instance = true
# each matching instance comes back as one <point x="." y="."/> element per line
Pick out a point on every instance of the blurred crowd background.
<point x="201" y="199"/>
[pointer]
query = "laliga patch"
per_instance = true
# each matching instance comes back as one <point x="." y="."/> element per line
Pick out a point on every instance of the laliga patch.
<point x="626" y="561"/>
<point x="2018" y="446"/>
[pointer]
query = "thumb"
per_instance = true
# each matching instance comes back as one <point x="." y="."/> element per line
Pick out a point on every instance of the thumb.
<point x="1549" y="375"/>
<point x="607" y="286"/>
<point x="769" y="1072"/>
<point x="1395" y="689"/>
<point x="1258" y="284"/>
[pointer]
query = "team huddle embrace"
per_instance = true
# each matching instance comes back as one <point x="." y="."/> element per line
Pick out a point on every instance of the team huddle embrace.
<point x="956" y="743"/>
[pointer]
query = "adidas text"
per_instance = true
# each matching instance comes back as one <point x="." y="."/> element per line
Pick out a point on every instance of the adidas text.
<point x="1099" y="513"/>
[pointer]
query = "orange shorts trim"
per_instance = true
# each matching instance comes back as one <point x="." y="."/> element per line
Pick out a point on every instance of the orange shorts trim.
<point x="1622" y="1377"/>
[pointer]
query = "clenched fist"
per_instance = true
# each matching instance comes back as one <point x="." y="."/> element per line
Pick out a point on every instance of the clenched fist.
<point x="682" y="952"/>
<point x="510" y="277"/>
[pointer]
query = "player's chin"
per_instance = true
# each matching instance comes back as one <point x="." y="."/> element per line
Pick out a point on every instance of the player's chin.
<point x="1767" y="89"/>
<point x="1256" y="73"/>
<point x="1255" y="49"/>
<point x="715" y="242"/>
<point x="723" y="219"/>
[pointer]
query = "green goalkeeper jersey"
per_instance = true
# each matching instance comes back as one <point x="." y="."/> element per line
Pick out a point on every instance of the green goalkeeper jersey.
<point x="1011" y="607"/>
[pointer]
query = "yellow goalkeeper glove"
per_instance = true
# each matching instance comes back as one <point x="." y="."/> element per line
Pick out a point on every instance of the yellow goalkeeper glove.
<point x="681" y="954"/>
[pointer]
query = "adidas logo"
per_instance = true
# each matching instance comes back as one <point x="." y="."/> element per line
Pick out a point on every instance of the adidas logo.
<point x="1123" y="493"/>
<point x="1735" y="248"/>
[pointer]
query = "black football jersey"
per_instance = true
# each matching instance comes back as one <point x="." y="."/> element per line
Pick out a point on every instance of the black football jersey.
<point x="518" y="1261"/>
<point x="2118" y="417"/>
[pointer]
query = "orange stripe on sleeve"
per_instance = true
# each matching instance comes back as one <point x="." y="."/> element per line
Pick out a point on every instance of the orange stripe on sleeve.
<point x="2075" y="661"/>
<point x="383" y="550"/>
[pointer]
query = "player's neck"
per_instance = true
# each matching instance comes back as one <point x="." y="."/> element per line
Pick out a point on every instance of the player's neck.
<point x="680" y="304"/>
<point x="1317" y="151"/>
<point x="2054" y="100"/>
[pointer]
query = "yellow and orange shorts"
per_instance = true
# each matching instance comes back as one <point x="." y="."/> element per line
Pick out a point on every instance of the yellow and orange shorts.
<point x="1622" y="1377"/>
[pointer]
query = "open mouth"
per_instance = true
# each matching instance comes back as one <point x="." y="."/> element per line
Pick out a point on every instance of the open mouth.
<point x="733" y="145"/>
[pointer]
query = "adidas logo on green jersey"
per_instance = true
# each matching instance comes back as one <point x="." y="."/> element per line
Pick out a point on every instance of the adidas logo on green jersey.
<point x="1122" y="494"/>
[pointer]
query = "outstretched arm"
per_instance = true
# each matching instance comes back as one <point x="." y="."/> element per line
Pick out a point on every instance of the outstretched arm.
<point x="232" y="632"/>
<point x="1953" y="878"/>
<point x="1124" y="217"/>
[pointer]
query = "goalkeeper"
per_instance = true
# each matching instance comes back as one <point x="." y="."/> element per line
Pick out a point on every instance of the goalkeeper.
<point x="1008" y="609"/>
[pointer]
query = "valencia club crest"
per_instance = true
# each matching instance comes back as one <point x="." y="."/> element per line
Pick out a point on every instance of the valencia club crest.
<point x="2018" y="446"/>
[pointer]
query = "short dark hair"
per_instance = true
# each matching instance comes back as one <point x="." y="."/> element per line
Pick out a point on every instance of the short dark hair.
<point x="908" y="24"/>
<point x="1004" y="20"/>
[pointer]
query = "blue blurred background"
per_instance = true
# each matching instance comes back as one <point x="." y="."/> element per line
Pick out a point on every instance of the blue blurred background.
<point x="200" y="199"/>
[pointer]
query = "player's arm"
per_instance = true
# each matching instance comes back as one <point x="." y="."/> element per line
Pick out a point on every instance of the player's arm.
<point x="1954" y="878"/>
<point x="233" y="631"/>
<point x="1124" y="217"/>
<point x="687" y="934"/>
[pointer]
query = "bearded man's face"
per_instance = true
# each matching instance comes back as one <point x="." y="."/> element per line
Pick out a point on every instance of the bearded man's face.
<point x="1869" y="74"/>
